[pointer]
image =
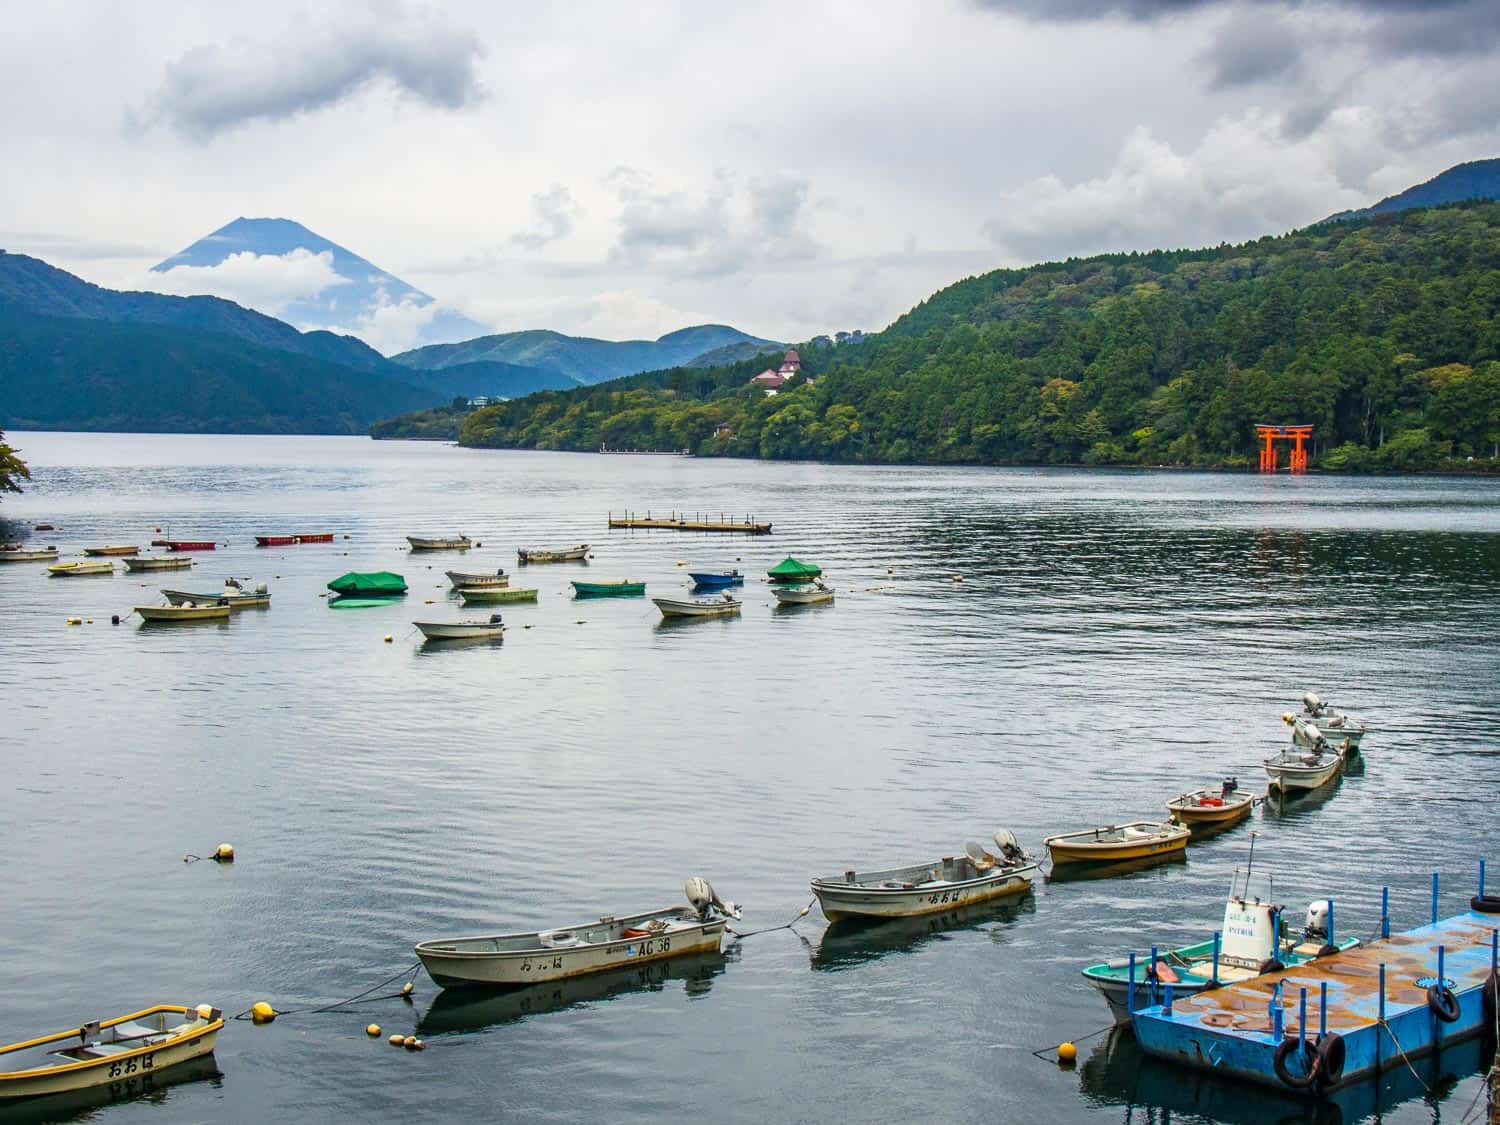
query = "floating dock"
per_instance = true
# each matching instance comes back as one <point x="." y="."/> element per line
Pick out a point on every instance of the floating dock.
<point x="684" y="522"/>
<point x="1340" y="1018"/>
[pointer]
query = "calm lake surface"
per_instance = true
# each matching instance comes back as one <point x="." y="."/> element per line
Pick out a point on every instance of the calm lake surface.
<point x="1117" y="638"/>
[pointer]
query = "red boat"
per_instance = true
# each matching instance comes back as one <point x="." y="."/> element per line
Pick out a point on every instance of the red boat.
<point x="321" y="537"/>
<point x="275" y="540"/>
<point x="191" y="544"/>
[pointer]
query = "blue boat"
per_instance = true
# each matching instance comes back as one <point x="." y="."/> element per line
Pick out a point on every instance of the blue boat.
<point x="1316" y="1027"/>
<point x="717" y="578"/>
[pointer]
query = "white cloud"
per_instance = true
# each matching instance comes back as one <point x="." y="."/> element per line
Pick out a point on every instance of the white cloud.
<point x="268" y="283"/>
<point x="389" y="326"/>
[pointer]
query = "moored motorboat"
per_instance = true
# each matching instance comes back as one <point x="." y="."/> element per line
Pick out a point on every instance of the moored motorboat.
<point x="1142" y="839"/>
<point x="929" y="888"/>
<point x="809" y="594"/>
<point x="716" y="578"/>
<point x="102" y="1052"/>
<point x="493" y="595"/>
<point x="315" y="537"/>
<point x="1304" y="767"/>
<point x="158" y="562"/>
<point x="369" y="584"/>
<point x="559" y="554"/>
<point x="698" y="607"/>
<point x="518" y="959"/>
<point x="122" y="549"/>
<point x="22" y="554"/>
<point x="1343" y="731"/>
<point x="1214" y="805"/>
<point x="472" y="580"/>
<point x="624" y="588"/>
<point x="217" y="610"/>
<point x="275" y="540"/>
<point x="462" y="630"/>
<point x="238" y="595"/>
<point x="792" y="570"/>
<point x="76" y="569"/>
<point x="440" y="542"/>
<point x="1253" y="941"/>
<point x="190" y="544"/>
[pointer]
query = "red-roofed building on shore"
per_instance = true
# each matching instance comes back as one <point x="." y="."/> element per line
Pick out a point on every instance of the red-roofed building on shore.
<point x="772" y="381"/>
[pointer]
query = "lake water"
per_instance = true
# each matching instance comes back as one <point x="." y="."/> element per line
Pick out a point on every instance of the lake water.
<point x="1117" y="638"/>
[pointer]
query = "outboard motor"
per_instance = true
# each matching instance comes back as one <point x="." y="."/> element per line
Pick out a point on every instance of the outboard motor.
<point x="1312" y="702"/>
<point x="701" y="896"/>
<point x="1230" y="785"/>
<point x="1317" y="921"/>
<point x="1011" y="851"/>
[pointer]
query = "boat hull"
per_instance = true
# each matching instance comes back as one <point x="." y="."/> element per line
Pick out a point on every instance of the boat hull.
<point x="715" y="581"/>
<point x="190" y="545"/>
<point x="841" y="901"/>
<point x="173" y="614"/>
<point x="157" y="562"/>
<point x="459" y="578"/>
<point x="1299" y="778"/>
<point x="105" y="551"/>
<point x="672" y="608"/>
<point x="494" y="595"/>
<point x="80" y="569"/>
<point x="572" y="554"/>
<point x="802" y="597"/>
<point x="457" y="630"/>
<point x="1235" y="808"/>
<point x="451" y="543"/>
<point x="609" y="589"/>
<point x="1081" y="847"/>
<point x="236" y="601"/>
<point x="28" y="556"/>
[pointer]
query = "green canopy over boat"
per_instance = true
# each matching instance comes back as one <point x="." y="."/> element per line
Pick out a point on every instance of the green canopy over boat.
<point x="791" y="570"/>
<point x="377" y="584"/>
<point x="622" y="589"/>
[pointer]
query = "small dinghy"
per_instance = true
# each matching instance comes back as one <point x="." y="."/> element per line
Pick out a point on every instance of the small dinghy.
<point x="440" y="542"/>
<point x="1142" y="839"/>
<point x="236" y="594"/>
<point x="624" y="588"/>
<point x="21" y="554"/>
<point x="803" y="595"/>
<point x="1301" y="768"/>
<point x="216" y="610"/>
<point x="102" y="1052"/>
<point x="929" y="888"/>
<point x="461" y="630"/>
<point x="1214" y="805"/>
<point x="490" y="595"/>
<point x="158" y="562"/>
<point x="118" y="550"/>
<point x="724" y="606"/>
<point x="1249" y="946"/>
<point x="473" y="580"/>
<point x="79" y="569"/>
<point x="559" y="554"/>
<point x="716" y="578"/>
<point x="1342" y="731"/>
<point x="515" y="960"/>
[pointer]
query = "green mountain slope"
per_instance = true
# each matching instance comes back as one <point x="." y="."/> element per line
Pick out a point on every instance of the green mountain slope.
<point x="1382" y="332"/>
<point x="580" y="358"/>
<point x="485" y="377"/>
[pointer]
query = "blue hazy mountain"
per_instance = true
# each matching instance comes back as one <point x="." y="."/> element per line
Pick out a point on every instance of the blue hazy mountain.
<point x="365" y="286"/>
<point x="1476" y="179"/>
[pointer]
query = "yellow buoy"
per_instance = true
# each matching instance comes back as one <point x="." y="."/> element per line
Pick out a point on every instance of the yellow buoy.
<point x="681" y="563"/>
<point x="75" y="621"/>
<point x="396" y="1040"/>
<point x="224" y="853"/>
<point x="388" y="638"/>
<point x="417" y="1045"/>
<point x="261" y="1012"/>
<point x="1286" y="717"/>
<point x="373" y="1031"/>
<point x="406" y="989"/>
<point x="1066" y="1053"/>
<point x="409" y="1042"/>
<point x="958" y="578"/>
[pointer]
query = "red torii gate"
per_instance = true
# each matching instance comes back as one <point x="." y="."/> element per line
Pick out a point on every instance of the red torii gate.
<point x="1269" y="435"/>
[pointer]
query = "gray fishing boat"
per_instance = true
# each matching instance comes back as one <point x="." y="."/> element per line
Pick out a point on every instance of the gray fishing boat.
<point x="931" y="887"/>
<point x="723" y="606"/>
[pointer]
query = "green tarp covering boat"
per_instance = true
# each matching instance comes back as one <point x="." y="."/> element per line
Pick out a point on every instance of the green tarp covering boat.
<point x="625" y="589"/>
<point x="790" y="570"/>
<point x="377" y="584"/>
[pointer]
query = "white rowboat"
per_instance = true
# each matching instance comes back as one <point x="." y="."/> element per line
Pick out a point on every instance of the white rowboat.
<point x="44" y="554"/>
<point x="461" y="578"/>
<point x="188" y="611"/>
<point x="561" y="554"/>
<point x="929" y="888"/>
<point x="440" y="543"/>
<point x="236" y="595"/>
<point x="461" y="630"/>
<point x="707" y="607"/>
<point x="158" y="562"/>
<point x="803" y="595"/>
<point x="1299" y="769"/>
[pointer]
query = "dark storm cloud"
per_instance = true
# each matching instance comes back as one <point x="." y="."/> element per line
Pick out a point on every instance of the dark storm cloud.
<point x="216" y="87"/>
<point x="1252" y="47"/>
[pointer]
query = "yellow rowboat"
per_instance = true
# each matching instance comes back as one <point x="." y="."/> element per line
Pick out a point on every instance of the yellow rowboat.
<point x="1141" y="840"/>
<point x="188" y="611"/>
<point x="109" y="1051"/>
<point x="112" y="550"/>
<point x="1212" y="805"/>
<point x="74" y="569"/>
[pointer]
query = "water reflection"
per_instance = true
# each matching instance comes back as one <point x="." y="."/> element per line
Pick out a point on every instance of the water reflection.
<point x="850" y="942"/>
<point x="83" y="1105"/>
<point x="1084" y="872"/>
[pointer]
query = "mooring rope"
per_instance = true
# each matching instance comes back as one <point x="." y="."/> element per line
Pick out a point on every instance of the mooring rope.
<point x="1402" y="1052"/>
<point x="358" y="997"/>
<point x="801" y="914"/>
<point x="1045" y="1051"/>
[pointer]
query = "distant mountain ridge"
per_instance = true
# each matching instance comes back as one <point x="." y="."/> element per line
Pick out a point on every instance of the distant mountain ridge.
<point x="583" y="360"/>
<point x="1475" y="179"/>
<point x="362" y="287"/>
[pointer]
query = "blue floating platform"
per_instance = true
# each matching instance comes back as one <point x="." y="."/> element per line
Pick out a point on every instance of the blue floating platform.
<point x="1369" y="1004"/>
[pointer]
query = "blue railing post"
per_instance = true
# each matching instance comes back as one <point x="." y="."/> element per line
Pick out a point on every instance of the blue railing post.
<point x="1437" y="1026"/>
<point x="1382" y="992"/>
<point x="1130" y="988"/>
<point x="1322" y="1009"/>
<point x="1302" y="1023"/>
<point x="1434" y="897"/>
<point x="1442" y="952"/>
<point x="1216" y="957"/>
<point x="1385" y="912"/>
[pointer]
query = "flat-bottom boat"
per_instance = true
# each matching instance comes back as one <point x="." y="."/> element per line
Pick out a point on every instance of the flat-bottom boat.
<point x="107" y="1051"/>
<point x="1253" y="941"/>
<point x="562" y="554"/>
<point x="440" y="542"/>
<point x="803" y="595"/>
<point x="1141" y="839"/>
<point x="461" y="630"/>
<point x="723" y="606"/>
<point x="716" y="578"/>
<point x="461" y="578"/>
<point x="1298" y="768"/>
<point x="237" y="595"/>
<point x="491" y="595"/>
<point x="1212" y="806"/>
<point x="189" y="611"/>
<point x="78" y="569"/>
<point x="158" y="562"/>
<point x="124" y="549"/>
<point x="516" y="960"/>
<point x="621" y="589"/>
<point x="929" y="888"/>
<point x="1335" y="725"/>
<point x="190" y="545"/>
<point x="43" y="554"/>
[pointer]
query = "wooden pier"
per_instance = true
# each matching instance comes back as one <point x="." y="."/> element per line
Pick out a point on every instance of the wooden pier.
<point x="1339" y="1018"/>
<point x="698" y="521"/>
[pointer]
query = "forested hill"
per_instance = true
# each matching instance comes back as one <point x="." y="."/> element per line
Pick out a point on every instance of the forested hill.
<point x="1382" y="332"/>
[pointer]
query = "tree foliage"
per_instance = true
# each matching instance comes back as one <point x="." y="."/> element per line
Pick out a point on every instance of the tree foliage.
<point x="1383" y="333"/>
<point x="12" y="469"/>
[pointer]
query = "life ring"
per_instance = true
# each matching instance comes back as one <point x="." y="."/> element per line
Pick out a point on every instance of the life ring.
<point x="1443" y="1003"/>
<point x="1312" y="1064"/>
<point x="1270" y="965"/>
<point x="1485" y="904"/>
<point x="1331" y="1054"/>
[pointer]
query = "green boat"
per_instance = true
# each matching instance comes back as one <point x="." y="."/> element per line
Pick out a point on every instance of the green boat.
<point x="792" y="570"/>
<point x="490" y="594"/>
<point x="622" y="589"/>
<point x="376" y="584"/>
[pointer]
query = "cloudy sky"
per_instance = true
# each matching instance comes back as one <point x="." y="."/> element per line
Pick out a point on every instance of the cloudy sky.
<point x="790" y="168"/>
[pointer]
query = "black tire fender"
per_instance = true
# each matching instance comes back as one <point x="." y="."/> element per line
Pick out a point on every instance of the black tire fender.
<point x="1485" y="904"/>
<point x="1325" y="950"/>
<point x="1332" y="1051"/>
<point x="1443" y="1003"/>
<point x="1312" y="1063"/>
<point x="1270" y="965"/>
